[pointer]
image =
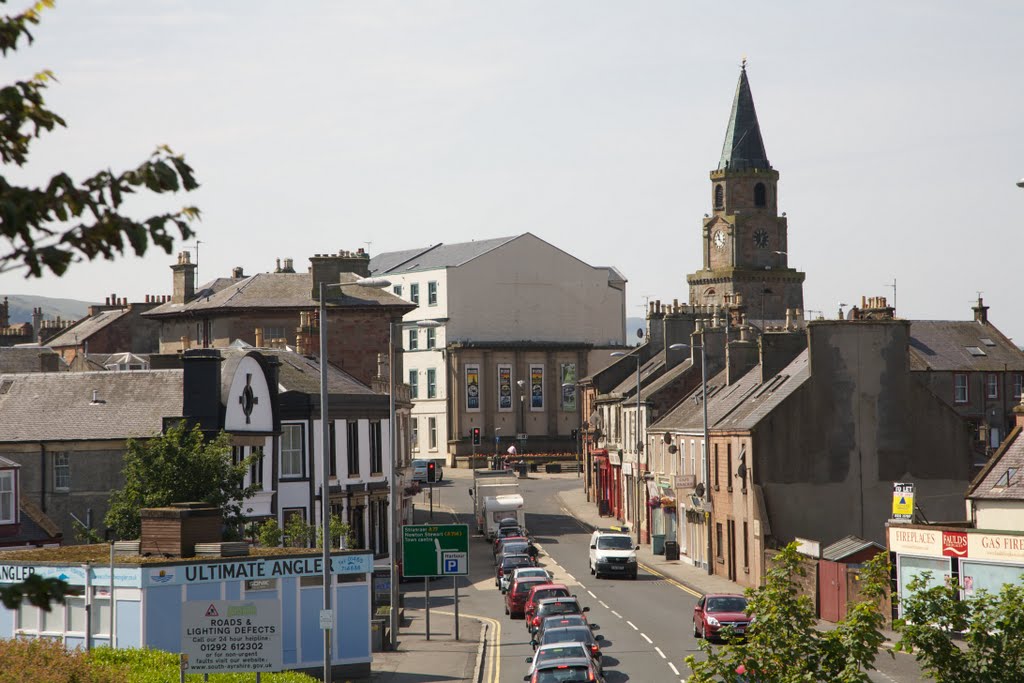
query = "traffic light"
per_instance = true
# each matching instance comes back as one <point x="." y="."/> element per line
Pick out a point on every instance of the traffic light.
<point x="431" y="472"/>
<point x="575" y="433"/>
<point x="476" y="436"/>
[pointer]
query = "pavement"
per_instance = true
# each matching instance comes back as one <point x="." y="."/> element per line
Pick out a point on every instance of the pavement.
<point x="442" y="658"/>
<point x="693" y="579"/>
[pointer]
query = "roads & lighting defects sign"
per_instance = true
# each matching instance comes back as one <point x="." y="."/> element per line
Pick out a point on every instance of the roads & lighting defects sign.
<point x="220" y="636"/>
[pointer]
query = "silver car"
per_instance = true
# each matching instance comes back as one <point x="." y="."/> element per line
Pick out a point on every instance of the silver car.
<point x="419" y="470"/>
<point x="556" y="651"/>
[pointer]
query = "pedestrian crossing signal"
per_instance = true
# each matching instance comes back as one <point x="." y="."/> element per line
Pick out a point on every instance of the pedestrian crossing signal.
<point x="431" y="472"/>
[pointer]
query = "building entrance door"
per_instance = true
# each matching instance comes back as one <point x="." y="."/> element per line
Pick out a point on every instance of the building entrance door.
<point x="731" y="540"/>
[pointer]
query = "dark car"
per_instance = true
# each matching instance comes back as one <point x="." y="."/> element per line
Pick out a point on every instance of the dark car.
<point x="499" y="543"/>
<point x="513" y="547"/>
<point x="550" y="607"/>
<point x="561" y="620"/>
<point x="575" y="634"/>
<point x="716" y="611"/>
<point x="542" y="592"/>
<point x="508" y="563"/>
<point x="515" y="596"/>
<point x="575" y="670"/>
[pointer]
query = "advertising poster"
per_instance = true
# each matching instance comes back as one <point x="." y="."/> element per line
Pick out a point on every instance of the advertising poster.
<point x="473" y="387"/>
<point x="505" y="388"/>
<point x="536" y="387"/>
<point x="569" y="392"/>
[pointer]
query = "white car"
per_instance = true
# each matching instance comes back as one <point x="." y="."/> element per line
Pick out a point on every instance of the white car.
<point x="419" y="470"/>
<point x="518" y="572"/>
<point x="613" y="552"/>
<point x="547" y="653"/>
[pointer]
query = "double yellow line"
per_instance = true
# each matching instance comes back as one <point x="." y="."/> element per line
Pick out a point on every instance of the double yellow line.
<point x="492" y="647"/>
<point x="685" y="589"/>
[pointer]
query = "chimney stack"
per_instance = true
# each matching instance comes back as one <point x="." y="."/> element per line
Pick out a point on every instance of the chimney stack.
<point x="327" y="268"/>
<point x="184" y="279"/>
<point x="980" y="312"/>
<point x="236" y="273"/>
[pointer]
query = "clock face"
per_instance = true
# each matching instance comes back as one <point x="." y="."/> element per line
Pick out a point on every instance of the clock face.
<point x="720" y="239"/>
<point x="761" y="239"/>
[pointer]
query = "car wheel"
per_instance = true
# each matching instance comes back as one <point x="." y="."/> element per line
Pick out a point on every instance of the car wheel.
<point x="506" y="609"/>
<point x="696" y="633"/>
<point x="592" y="572"/>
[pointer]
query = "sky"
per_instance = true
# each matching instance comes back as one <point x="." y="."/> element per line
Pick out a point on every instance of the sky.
<point x="327" y="125"/>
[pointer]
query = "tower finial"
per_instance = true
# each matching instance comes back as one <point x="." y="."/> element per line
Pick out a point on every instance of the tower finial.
<point x="743" y="62"/>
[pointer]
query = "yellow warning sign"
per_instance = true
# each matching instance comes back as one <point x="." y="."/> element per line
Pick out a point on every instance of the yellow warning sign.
<point x="902" y="501"/>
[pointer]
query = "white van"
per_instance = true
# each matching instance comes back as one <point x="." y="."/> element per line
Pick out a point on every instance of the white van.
<point x="613" y="552"/>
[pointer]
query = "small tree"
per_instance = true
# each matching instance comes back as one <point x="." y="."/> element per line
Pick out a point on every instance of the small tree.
<point x="176" y="467"/>
<point x="783" y="646"/>
<point x="269" y="534"/>
<point x="991" y="626"/>
<point x="297" y="533"/>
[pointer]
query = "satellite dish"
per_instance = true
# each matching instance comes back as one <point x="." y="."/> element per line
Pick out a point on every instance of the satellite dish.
<point x="639" y="333"/>
<point x="667" y="437"/>
<point x="673" y="449"/>
<point x="699" y="490"/>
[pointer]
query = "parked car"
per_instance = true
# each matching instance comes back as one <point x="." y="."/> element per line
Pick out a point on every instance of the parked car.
<point x="541" y="592"/>
<point x="515" y="596"/>
<point x="503" y="572"/>
<point x="419" y="470"/>
<point x="555" y="651"/>
<point x="555" y="606"/>
<point x="575" y="634"/>
<point x="567" y="670"/>
<point x="715" y="611"/>
<point x="499" y="544"/>
<point x="515" y="548"/>
<point x="524" y="571"/>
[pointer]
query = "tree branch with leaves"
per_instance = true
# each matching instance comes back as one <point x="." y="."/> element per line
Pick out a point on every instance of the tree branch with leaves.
<point x="45" y="229"/>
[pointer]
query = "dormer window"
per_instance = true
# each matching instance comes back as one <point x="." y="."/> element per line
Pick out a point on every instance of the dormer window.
<point x="719" y="197"/>
<point x="760" y="195"/>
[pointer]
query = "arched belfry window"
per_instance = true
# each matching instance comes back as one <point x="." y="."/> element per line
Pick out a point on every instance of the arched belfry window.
<point x="760" y="195"/>
<point x="719" y="197"/>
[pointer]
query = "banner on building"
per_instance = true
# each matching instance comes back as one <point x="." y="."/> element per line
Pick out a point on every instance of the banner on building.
<point x="505" y="388"/>
<point x="473" y="388"/>
<point x="902" y="501"/>
<point x="537" y="387"/>
<point x="569" y="387"/>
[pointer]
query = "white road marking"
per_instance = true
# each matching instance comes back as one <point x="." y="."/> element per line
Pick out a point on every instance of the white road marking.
<point x="616" y="614"/>
<point x="632" y="624"/>
<point x="644" y="636"/>
<point x="674" y="669"/>
<point x="604" y="604"/>
<point x="592" y="594"/>
<point x="571" y="577"/>
<point x="582" y="586"/>
<point x="658" y="650"/>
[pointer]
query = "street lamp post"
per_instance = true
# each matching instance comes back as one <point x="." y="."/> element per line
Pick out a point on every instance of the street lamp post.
<point x="325" y="469"/>
<point x="522" y="420"/>
<point x="705" y="445"/>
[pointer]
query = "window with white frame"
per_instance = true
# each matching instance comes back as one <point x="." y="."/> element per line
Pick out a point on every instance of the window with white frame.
<point x="414" y="339"/>
<point x="432" y="435"/>
<point x="61" y="472"/>
<point x="292" y="450"/>
<point x="414" y="383"/>
<point x="414" y="292"/>
<point x="415" y="433"/>
<point x="397" y="289"/>
<point x="7" y="496"/>
<point x="960" y="393"/>
<point x="431" y="383"/>
<point x="992" y="385"/>
<point x="431" y="293"/>
<point x="256" y="467"/>
<point x="431" y="338"/>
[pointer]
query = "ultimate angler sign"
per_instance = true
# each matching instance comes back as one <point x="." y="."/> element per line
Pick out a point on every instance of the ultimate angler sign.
<point x="257" y="569"/>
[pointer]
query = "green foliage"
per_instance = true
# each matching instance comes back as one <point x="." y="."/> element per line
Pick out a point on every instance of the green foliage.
<point x="301" y="535"/>
<point x="992" y="628"/>
<point x="783" y="645"/>
<point x="84" y="534"/>
<point x="37" y="590"/>
<point x="339" y="530"/>
<point x="176" y="467"/>
<point x="297" y="533"/>
<point x="46" y="661"/>
<point x="46" y="228"/>
<point x="269" y="534"/>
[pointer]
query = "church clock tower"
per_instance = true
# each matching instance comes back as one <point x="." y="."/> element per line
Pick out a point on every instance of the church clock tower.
<point x="745" y="241"/>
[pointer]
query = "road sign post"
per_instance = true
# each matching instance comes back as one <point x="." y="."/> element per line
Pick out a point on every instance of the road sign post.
<point x="432" y="550"/>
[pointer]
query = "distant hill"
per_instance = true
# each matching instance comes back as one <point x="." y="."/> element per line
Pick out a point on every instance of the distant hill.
<point x="65" y="309"/>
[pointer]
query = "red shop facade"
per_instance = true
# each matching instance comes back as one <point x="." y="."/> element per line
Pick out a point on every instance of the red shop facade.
<point x="608" y="483"/>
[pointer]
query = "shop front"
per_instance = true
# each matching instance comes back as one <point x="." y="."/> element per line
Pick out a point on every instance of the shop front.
<point x="978" y="560"/>
<point x="662" y="504"/>
<point x="615" y="461"/>
<point x="603" y="482"/>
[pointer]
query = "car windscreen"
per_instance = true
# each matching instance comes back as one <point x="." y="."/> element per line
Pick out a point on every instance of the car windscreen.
<point x="525" y="586"/>
<point x="558" y="608"/>
<point x="727" y="605"/>
<point x="566" y="635"/>
<point x="551" y="593"/>
<point x="511" y="562"/>
<point x="514" y="547"/>
<point x="614" y="543"/>
<point x="419" y="463"/>
<point x="571" y="673"/>
<point x="559" y="652"/>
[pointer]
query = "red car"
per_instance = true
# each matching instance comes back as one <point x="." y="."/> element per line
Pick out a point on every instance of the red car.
<point x="715" y="611"/>
<point x="515" y="597"/>
<point x="540" y="592"/>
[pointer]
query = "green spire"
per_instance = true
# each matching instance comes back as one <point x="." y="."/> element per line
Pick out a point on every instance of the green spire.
<point x="743" y="146"/>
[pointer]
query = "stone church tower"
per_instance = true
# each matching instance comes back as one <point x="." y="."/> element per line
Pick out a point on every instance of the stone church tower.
<point x="745" y="240"/>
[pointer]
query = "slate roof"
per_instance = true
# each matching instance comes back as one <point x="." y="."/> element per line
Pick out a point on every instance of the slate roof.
<point x="86" y="327"/>
<point x="433" y="257"/>
<point x="302" y="374"/>
<point x="990" y="483"/>
<point x="743" y="147"/>
<point x="627" y="387"/>
<point x="277" y="290"/>
<point x="57" y="406"/>
<point x="26" y="358"/>
<point x="942" y="345"/>
<point x="738" y="406"/>
<point x="667" y="378"/>
<point x="847" y="546"/>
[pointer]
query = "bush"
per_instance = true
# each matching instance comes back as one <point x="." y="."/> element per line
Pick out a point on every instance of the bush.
<point x="156" y="666"/>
